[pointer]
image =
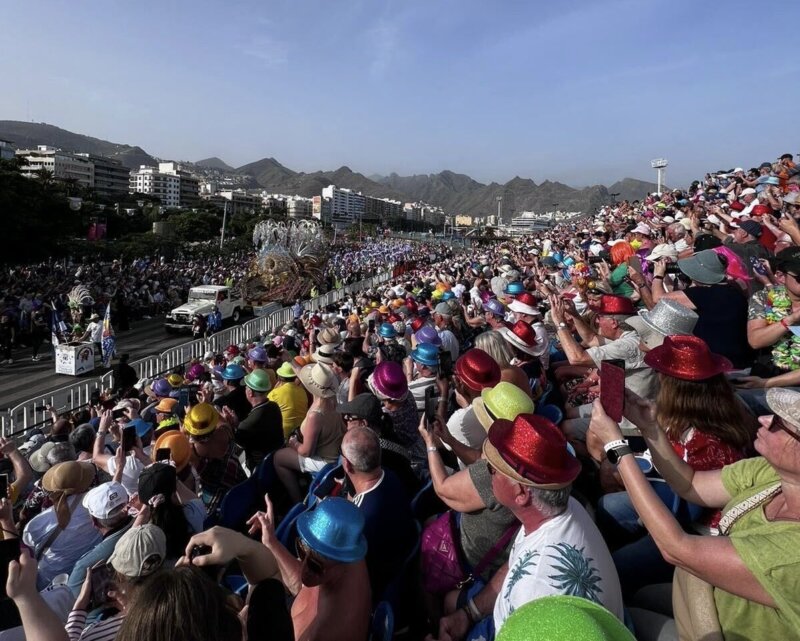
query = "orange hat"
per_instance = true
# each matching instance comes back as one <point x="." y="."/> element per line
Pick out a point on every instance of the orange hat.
<point x="178" y="446"/>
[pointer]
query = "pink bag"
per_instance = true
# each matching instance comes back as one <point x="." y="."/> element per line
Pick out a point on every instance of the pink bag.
<point x="442" y="566"/>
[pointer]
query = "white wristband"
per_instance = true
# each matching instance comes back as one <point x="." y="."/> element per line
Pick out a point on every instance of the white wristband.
<point x="613" y="444"/>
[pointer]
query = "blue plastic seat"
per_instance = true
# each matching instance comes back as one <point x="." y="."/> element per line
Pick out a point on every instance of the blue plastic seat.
<point x="382" y="628"/>
<point x="323" y="482"/>
<point x="239" y="504"/>
<point x="551" y="412"/>
<point x="265" y="474"/>
<point x="286" y="531"/>
<point x="545" y="393"/>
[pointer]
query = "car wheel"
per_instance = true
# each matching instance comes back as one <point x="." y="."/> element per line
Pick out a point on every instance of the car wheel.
<point x="236" y="316"/>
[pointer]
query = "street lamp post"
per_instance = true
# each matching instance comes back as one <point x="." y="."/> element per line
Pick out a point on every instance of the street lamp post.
<point x="499" y="209"/>
<point x="660" y="165"/>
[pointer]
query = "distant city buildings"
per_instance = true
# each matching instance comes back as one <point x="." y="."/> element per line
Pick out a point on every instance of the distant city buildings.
<point x="61" y="165"/>
<point x="169" y="182"/>
<point x="189" y="188"/>
<point x="110" y="176"/>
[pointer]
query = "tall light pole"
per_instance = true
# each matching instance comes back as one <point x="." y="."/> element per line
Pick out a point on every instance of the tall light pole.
<point x="224" y="219"/>
<point x="660" y="165"/>
<point x="499" y="209"/>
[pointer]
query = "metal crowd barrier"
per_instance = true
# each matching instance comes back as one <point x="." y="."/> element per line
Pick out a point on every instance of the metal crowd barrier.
<point x="30" y="413"/>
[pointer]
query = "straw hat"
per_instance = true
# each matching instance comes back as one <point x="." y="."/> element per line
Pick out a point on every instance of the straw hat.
<point x="319" y="380"/>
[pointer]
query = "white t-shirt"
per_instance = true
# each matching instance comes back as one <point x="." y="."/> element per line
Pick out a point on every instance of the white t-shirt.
<point x="467" y="429"/>
<point x="566" y="555"/>
<point x="95" y="330"/>
<point x="449" y="342"/>
<point x="130" y="475"/>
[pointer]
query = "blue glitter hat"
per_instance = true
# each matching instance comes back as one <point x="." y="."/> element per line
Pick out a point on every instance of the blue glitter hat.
<point x="386" y="330"/>
<point x="515" y="288"/>
<point x="233" y="372"/>
<point x="334" y="530"/>
<point x="426" y="354"/>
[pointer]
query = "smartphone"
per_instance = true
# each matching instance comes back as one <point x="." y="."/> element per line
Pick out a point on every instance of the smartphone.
<point x="758" y="268"/>
<point x="9" y="551"/>
<point x="163" y="454"/>
<point x="612" y="387"/>
<point x="3" y="486"/>
<point x="118" y="414"/>
<point x="95" y="398"/>
<point x="636" y="263"/>
<point x="371" y="325"/>
<point x="183" y="396"/>
<point x="102" y="579"/>
<point x="128" y="438"/>
<point x="445" y="364"/>
<point x="431" y="405"/>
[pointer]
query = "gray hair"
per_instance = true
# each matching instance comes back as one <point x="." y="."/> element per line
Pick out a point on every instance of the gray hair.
<point x="61" y="452"/>
<point x="362" y="448"/>
<point x="82" y="438"/>
<point x="550" y="502"/>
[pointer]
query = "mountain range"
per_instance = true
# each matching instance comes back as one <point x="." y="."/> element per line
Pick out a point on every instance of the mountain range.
<point x="455" y="193"/>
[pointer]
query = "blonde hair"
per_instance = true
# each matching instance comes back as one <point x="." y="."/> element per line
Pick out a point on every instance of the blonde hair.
<point x="495" y="346"/>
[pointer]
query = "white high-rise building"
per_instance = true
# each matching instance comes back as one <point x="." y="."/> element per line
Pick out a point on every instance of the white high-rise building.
<point x="150" y="181"/>
<point x="61" y="164"/>
<point x="346" y="206"/>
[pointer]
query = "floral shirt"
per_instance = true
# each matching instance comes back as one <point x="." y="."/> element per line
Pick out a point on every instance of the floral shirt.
<point x="772" y="304"/>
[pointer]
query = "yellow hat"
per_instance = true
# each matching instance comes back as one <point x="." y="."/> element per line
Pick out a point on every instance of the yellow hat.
<point x="201" y="420"/>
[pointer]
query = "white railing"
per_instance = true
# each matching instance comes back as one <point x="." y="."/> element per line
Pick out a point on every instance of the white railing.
<point x="29" y="413"/>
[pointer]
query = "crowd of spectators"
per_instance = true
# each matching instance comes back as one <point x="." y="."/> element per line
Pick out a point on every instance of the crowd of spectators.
<point x="591" y="432"/>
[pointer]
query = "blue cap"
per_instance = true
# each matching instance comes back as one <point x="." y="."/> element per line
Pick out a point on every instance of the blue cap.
<point x="233" y="372"/>
<point x="495" y="306"/>
<point x="426" y="354"/>
<point x="448" y="295"/>
<point x="386" y="330"/>
<point x="142" y="426"/>
<point x="334" y="530"/>
<point x="515" y="288"/>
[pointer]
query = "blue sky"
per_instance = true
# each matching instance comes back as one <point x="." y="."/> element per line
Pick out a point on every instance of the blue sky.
<point x="577" y="91"/>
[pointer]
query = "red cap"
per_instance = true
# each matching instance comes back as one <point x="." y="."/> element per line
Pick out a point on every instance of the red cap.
<point x="527" y="299"/>
<point x="411" y="305"/>
<point x="477" y="370"/>
<point x="737" y="206"/>
<point x="613" y="304"/>
<point x="760" y="210"/>
<point x="416" y="324"/>
<point x="687" y="358"/>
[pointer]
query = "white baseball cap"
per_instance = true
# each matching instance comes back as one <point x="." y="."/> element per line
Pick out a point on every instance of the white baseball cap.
<point x="105" y="499"/>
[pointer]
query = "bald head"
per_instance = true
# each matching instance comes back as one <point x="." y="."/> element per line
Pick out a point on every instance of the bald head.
<point x="361" y="447"/>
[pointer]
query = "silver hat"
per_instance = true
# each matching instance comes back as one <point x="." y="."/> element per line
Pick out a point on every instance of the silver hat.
<point x="670" y="318"/>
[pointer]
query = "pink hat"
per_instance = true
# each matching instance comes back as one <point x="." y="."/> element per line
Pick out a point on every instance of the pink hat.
<point x="388" y="381"/>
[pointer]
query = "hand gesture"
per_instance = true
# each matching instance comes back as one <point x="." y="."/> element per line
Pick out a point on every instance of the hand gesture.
<point x="230" y="417"/>
<point x="6" y="512"/>
<point x="660" y="268"/>
<point x="106" y="420"/>
<point x="604" y="269"/>
<point x="602" y="425"/>
<point x="265" y="522"/>
<point x="85" y="595"/>
<point x="556" y="309"/>
<point x="453" y="627"/>
<point x="789" y="225"/>
<point x="750" y="382"/>
<point x="7" y="446"/>
<point x="21" y="583"/>
<point x="427" y="435"/>
<point x="641" y="412"/>
<point x="225" y="545"/>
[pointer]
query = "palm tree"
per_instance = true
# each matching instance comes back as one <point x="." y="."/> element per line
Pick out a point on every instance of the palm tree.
<point x="44" y="176"/>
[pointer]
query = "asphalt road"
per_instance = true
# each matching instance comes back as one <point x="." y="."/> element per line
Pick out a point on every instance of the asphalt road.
<point x="25" y="379"/>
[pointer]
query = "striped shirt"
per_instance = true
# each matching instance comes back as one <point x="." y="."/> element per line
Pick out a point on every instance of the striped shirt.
<point x="105" y="630"/>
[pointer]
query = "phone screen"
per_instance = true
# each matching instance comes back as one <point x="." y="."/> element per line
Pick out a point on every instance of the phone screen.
<point x="163" y="454"/>
<point x="445" y="364"/>
<point x="612" y="387"/>
<point x="117" y="414"/>
<point x="128" y="438"/>
<point x="3" y="486"/>
<point x="431" y="403"/>
<point x="102" y="579"/>
<point x="9" y="551"/>
<point x="183" y="397"/>
<point x="636" y="263"/>
<point x="371" y="324"/>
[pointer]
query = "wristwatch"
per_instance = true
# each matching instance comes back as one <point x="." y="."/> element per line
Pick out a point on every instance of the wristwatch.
<point x="562" y="325"/>
<point x="616" y="450"/>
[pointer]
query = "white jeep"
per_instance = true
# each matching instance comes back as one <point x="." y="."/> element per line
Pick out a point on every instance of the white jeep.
<point x="202" y="299"/>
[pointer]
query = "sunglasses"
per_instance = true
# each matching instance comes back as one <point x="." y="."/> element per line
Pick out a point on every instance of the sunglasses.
<point x="777" y="423"/>
<point x="314" y="564"/>
<point x="350" y="417"/>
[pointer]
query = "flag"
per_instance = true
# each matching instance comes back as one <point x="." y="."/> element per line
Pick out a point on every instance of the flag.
<point x="109" y="342"/>
<point x="57" y="326"/>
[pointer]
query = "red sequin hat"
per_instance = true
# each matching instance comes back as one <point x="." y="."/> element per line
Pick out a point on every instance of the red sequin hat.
<point x="522" y="336"/>
<point x="416" y="324"/>
<point x="611" y="304"/>
<point x="687" y="358"/>
<point x="477" y="370"/>
<point x="532" y="451"/>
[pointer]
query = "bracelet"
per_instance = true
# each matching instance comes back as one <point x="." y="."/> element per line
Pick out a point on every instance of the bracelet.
<point x="613" y="444"/>
<point x="468" y="613"/>
<point x="659" y="277"/>
<point x="431" y="448"/>
<point x="784" y="323"/>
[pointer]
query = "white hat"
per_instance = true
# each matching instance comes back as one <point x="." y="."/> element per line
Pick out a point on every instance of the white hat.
<point x="140" y="551"/>
<point x="792" y="197"/>
<point x="208" y="356"/>
<point x="641" y="228"/>
<point x="737" y="170"/>
<point x="681" y="245"/>
<point x="747" y="192"/>
<point x="522" y="308"/>
<point x="662" y="251"/>
<point x="105" y="499"/>
<point x="668" y="219"/>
